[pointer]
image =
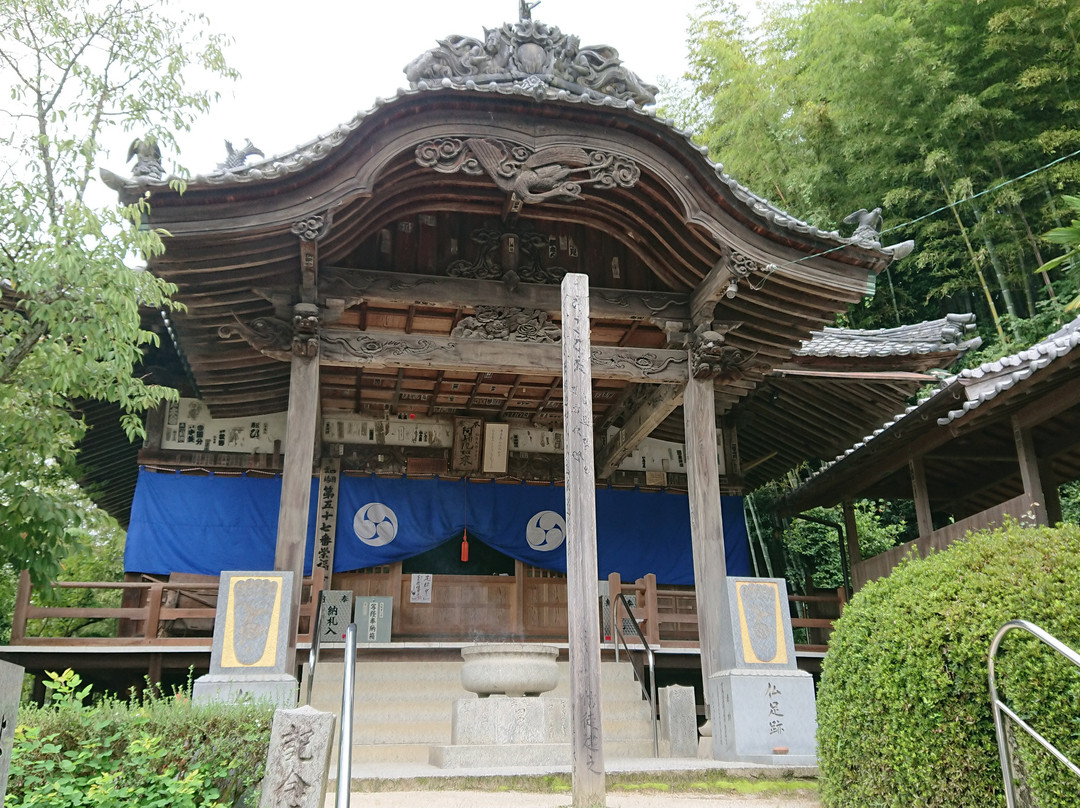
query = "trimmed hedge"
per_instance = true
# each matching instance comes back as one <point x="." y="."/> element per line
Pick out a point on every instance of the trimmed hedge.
<point x="157" y="751"/>
<point x="904" y="715"/>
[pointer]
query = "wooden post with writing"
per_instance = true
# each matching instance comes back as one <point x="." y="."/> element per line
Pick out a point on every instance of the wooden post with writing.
<point x="706" y="523"/>
<point x="299" y="455"/>
<point x="582" y="593"/>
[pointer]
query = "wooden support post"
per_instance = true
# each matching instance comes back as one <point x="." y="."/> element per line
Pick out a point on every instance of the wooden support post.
<point x="852" y="531"/>
<point x="706" y="525"/>
<point x="1029" y="470"/>
<point x="519" y="598"/>
<point x="586" y="734"/>
<point x="152" y="627"/>
<point x="614" y="588"/>
<point x="652" y="613"/>
<point x="921" y="495"/>
<point x="1050" y="490"/>
<point x="300" y="428"/>
<point x="22" y="606"/>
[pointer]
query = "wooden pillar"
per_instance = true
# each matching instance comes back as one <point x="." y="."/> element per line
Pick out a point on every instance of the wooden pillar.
<point x="299" y="455"/>
<point x="852" y="531"/>
<point x="921" y="495"/>
<point x="582" y="592"/>
<point x="1050" y="491"/>
<point x="1029" y="470"/>
<point x="706" y="522"/>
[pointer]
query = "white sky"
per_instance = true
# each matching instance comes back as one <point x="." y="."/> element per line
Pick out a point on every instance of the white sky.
<point x="307" y="67"/>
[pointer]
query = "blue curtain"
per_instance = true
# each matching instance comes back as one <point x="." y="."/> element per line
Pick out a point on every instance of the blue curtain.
<point x="203" y="525"/>
<point x="206" y="524"/>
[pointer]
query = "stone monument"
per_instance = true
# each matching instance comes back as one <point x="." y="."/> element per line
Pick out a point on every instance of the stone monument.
<point x="11" y="681"/>
<point x="678" y="721"/>
<point x="512" y="722"/>
<point x="763" y="705"/>
<point x="298" y="760"/>
<point x="249" y="656"/>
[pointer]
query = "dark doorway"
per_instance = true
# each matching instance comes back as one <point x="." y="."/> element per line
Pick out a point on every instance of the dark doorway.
<point x="446" y="560"/>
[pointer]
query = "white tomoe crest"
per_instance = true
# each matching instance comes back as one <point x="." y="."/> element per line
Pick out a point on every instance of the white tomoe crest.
<point x="375" y="524"/>
<point x="546" y="531"/>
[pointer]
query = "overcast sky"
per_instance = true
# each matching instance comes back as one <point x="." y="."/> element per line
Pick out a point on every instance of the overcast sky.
<point x="308" y="66"/>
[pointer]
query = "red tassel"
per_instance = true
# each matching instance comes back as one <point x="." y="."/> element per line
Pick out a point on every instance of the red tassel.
<point x="464" y="547"/>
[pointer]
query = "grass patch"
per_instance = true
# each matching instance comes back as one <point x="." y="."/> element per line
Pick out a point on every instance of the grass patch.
<point x="676" y="782"/>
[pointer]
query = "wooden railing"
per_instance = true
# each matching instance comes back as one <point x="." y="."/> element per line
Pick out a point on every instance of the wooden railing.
<point x="152" y="607"/>
<point x="1022" y="508"/>
<point x="530" y="605"/>
<point x="668" y="616"/>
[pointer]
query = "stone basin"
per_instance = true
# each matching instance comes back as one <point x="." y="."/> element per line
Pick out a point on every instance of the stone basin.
<point x="511" y="669"/>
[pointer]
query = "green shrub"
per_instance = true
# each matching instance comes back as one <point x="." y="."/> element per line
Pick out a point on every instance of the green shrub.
<point x="154" y="751"/>
<point x="904" y="715"/>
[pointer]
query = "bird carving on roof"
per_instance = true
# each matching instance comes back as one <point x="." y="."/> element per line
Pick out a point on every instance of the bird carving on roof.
<point x="542" y="175"/>
<point x="867" y="225"/>
<point x="147" y="158"/>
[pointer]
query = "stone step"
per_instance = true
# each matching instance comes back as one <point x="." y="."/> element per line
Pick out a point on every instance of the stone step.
<point x="366" y="754"/>
<point x="402" y="708"/>
<point x="437" y="729"/>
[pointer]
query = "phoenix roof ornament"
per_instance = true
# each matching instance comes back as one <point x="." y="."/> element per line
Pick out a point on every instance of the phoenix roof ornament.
<point x="535" y="56"/>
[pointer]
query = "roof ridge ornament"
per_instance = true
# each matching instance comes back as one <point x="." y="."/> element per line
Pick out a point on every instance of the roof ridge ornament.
<point x="533" y="56"/>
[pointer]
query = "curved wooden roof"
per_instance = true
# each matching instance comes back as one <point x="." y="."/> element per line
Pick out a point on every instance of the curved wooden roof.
<point x="392" y="228"/>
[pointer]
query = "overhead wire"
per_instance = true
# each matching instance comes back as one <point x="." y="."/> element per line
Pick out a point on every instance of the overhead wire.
<point x="772" y="267"/>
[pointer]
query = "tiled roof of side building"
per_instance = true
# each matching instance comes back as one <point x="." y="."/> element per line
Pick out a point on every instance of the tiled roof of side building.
<point x="947" y="334"/>
<point x="982" y="384"/>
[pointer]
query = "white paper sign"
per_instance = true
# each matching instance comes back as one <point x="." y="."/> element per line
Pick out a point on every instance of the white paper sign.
<point x="420" y="591"/>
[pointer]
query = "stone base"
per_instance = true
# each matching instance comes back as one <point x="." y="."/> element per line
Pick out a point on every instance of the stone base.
<point x="502" y="720"/>
<point x="490" y="755"/>
<point x="764" y="716"/>
<point x="277" y="689"/>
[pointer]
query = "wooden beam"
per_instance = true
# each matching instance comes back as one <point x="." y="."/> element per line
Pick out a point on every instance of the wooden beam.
<point x="372" y="350"/>
<point x="857" y="376"/>
<point x="711" y="290"/>
<point x="402" y="288"/>
<point x="657" y="406"/>
<point x="586" y="732"/>
<point x="1047" y="406"/>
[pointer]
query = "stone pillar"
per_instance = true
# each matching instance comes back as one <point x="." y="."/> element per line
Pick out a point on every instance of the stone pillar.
<point x="11" y="683"/>
<point x="582" y="592"/>
<point x="299" y="455"/>
<point x="678" y="721"/>
<point x="763" y="705"/>
<point x="298" y="760"/>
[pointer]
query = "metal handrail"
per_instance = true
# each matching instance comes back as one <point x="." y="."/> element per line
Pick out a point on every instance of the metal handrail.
<point x="1000" y="707"/>
<point x="344" y="759"/>
<point x="650" y="694"/>
<point x="313" y="651"/>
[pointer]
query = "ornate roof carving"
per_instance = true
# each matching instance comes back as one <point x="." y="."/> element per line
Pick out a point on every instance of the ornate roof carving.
<point x="318" y="149"/>
<point x="510" y="324"/>
<point x="535" y="57"/>
<point x="531" y="176"/>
